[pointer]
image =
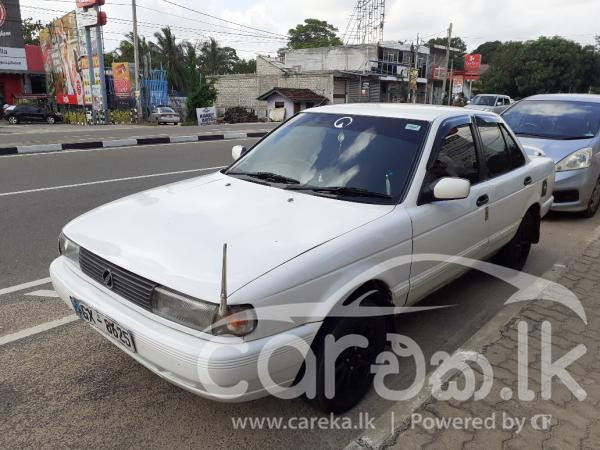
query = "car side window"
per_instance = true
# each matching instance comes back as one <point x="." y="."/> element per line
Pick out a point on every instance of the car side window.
<point x="517" y="159"/>
<point x="457" y="157"/>
<point x="495" y="152"/>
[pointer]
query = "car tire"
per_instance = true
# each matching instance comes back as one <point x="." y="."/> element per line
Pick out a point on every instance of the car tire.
<point x="353" y="366"/>
<point x="50" y="120"/>
<point x="594" y="202"/>
<point x="13" y="120"/>
<point x="514" y="254"/>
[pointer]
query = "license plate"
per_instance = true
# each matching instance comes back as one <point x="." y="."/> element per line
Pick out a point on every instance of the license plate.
<point x="112" y="329"/>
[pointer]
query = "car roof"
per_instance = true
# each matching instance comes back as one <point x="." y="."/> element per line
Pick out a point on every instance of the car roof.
<point x="594" y="98"/>
<point x="427" y="113"/>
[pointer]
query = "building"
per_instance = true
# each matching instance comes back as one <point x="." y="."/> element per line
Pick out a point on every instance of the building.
<point x="21" y="66"/>
<point x="341" y="74"/>
<point x="290" y="100"/>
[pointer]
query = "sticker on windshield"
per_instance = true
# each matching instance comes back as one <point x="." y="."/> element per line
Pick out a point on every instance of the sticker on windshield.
<point x="413" y="127"/>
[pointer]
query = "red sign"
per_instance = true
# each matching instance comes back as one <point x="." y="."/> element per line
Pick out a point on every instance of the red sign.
<point x="2" y="14"/>
<point x="89" y="3"/>
<point x="472" y="66"/>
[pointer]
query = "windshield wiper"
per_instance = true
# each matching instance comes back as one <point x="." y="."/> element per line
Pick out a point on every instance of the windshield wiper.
<point x="266" y="176"/>
<point x="341" y="190"/>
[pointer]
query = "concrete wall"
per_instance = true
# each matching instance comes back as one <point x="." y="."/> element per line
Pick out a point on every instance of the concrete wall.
<point x="242" y="90"/>
<point x="350" y="57"/>
<point x="264" y="67"/>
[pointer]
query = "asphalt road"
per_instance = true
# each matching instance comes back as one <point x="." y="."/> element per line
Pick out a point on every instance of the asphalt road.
<point x="33" y="134"/>
<point x="69" y="387"/>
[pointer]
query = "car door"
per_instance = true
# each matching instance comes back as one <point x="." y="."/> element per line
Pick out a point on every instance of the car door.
<point x="37" y="114"/>
<point x="508" y="179"/>
<point x="454" y="227"/>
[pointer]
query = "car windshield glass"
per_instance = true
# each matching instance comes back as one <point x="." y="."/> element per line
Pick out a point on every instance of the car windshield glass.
<point x="555" y="119"/>
<point x="166" y="111"/>
<point x="323" y="153"/>
<point x="484" y="100"/>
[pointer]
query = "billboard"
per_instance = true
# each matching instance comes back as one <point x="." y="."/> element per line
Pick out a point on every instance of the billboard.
<point x="12" y="49"/>
<point x="472" y="66"/>
<point x="122" y="79"/>
<point x="63" y="60"/>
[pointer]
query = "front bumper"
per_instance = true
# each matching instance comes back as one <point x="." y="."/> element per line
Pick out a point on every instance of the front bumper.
<point x="581" y="181"/>
<point x="184" y="359"/>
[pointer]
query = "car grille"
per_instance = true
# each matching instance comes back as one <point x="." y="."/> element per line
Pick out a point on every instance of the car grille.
<point x="128" y="285"/>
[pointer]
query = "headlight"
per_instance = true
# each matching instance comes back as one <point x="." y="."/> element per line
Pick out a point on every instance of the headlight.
<point x="581" y="159"/>
<point x="184" y="310"/>
<point x="68" y="248"/>
<point x="203" y="316"/>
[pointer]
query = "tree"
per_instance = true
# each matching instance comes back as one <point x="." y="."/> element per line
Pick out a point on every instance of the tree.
<point x="191" y="66"/>
<point x="216" y="60"/>
<point x="313" y="33"/>
<point x="171" y="57"/>
<point x="487" y="50"/>
<point x="201" y="96"/>
<point x="31" y="31"/>
<point x="245" y="66"/>
<point x="555" y="64"/>
<point x="455" y="43"/>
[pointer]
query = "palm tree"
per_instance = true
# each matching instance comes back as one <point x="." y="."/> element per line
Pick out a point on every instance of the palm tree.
<point x="215" y="60"/>
<point x="171" y="57"/>
<point x="192" y="69"/>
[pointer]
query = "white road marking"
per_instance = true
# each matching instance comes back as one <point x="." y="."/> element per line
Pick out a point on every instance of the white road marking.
<point x="9" y="338"/>
<point x="114" y="180"/>
<point x="43" y="293"/>
<point x="22" y="287"/>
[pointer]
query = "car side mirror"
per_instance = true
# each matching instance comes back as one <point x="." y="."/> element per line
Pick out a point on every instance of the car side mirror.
<point x="451" y="189"/>
<point x="238" y="151"/>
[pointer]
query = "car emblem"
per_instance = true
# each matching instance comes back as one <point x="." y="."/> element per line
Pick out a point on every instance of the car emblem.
<point x="107" y="278"/>
<point x="343" y="122"/>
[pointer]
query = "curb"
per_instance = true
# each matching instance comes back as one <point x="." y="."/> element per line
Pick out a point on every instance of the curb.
<point x="393" y="422"/>
<point x="48" y="148"/>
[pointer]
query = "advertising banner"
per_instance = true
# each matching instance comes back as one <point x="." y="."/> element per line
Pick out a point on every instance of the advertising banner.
<point x="12" y="49"/>
<point x="458" y="84"/>
<point x="62" y="60"/>
<point x="122" y="79"/>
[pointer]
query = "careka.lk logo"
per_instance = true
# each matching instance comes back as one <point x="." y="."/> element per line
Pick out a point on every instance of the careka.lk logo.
<point x="2" y="14"/>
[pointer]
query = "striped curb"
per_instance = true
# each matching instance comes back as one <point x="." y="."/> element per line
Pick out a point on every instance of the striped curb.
<point x="89" y="145"/>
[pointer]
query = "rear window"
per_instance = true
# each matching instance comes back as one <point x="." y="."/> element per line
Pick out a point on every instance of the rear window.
<point x="484" y="100"/>
<point x="554" y="119"/>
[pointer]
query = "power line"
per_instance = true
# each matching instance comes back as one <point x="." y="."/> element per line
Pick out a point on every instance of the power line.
<point x="222" y="20"/>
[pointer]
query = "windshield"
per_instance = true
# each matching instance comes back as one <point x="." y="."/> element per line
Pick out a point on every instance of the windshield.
<point x="484" y="100"/>
<point x="361" y="154"/>
<point x="166" y="111"/>
<point x="555" y="119"/>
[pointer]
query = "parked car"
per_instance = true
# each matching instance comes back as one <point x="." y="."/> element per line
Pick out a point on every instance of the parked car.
<point x="567" y="128"/>
<point x="165" y="114"/>
<point x="32" y="113"/>
<point x="311" y="217"/>
<point x="487" y="102"/>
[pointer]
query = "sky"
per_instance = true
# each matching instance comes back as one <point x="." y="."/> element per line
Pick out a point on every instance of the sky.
<point x="476" y="21"/>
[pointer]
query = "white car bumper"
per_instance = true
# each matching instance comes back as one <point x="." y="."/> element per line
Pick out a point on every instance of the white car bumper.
<point x="181" y="358"/>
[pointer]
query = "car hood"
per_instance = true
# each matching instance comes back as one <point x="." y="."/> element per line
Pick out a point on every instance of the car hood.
<point x="480" y="107"/>
<point x="555" y="149"/>
<point x="174" y="235"/>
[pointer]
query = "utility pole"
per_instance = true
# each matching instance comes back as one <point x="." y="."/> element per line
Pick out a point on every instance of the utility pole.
<point x="451" y="87"/>
<point x="447" y="60"/>
<point x="136" y="57"/>
<point x="414" y="91"/>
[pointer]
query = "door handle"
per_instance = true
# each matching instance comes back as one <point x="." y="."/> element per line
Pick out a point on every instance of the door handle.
<point x="483" y="200"/>
<point x="528" y="181"/>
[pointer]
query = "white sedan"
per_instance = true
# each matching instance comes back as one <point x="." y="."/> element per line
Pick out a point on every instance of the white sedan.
<point x="225" y="284"/>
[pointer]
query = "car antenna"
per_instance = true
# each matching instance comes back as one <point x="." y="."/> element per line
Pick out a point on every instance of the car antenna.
<point x="223" y="304"/>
